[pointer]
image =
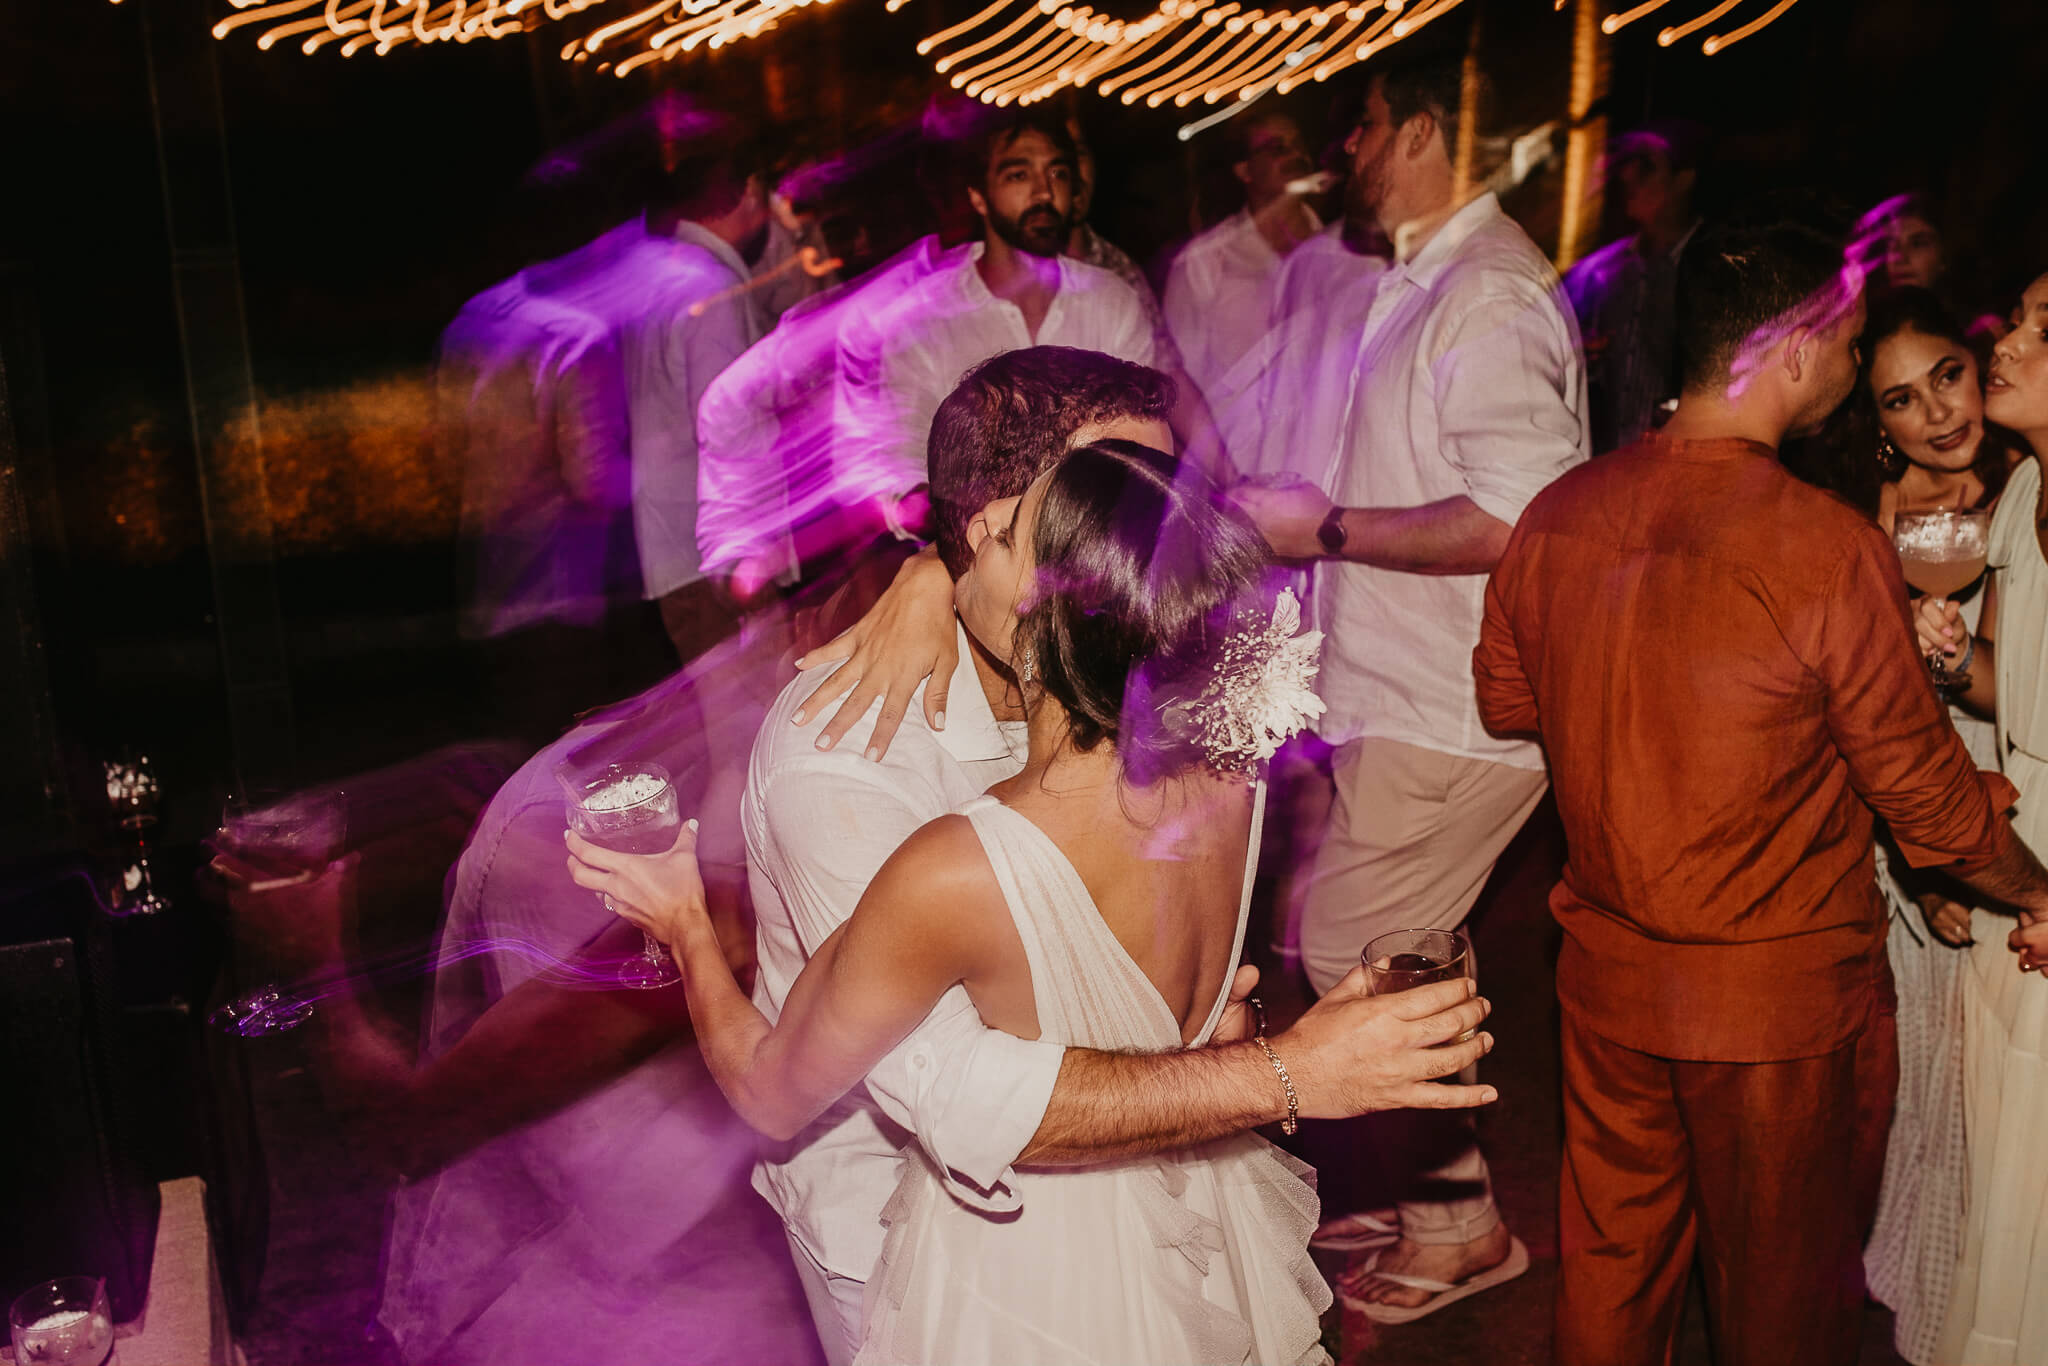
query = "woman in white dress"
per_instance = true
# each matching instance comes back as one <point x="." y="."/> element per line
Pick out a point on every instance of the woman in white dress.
<point x="1998" y="1313"/>
<point x="1913" y="439"/>
<point x="1096" y="899"/>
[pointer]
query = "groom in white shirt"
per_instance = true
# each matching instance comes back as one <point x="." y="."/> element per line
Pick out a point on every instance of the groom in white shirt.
<point x="819" y="823"/>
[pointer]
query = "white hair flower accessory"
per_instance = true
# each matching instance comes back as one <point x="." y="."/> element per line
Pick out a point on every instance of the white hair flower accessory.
<point x="1263" y="689"/>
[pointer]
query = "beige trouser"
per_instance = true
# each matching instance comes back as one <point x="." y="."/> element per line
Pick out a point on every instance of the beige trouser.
<point x="1413" y="836"/>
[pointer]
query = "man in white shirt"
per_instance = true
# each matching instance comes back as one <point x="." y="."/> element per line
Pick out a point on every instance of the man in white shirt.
<point x="821" y="822"/>
<point x="774" y="489"/>
<point x="1219" y="292"/>
<point x="1465" y="396"/>
<point x="699" y="317"/>
<point x="1013" y="289"/>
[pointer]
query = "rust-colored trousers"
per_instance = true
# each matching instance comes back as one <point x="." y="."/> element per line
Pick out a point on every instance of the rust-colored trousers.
<point x="1767" y="1172"/>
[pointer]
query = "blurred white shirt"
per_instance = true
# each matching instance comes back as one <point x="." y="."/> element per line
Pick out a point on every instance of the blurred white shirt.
<point x="766" y="460"/>
<point x="819" y="826"/>
<point x="897" y="363"/>
<point x="531" y="405"/>
<point x="1454" y="373"/>
<point x="1219" y="296"/>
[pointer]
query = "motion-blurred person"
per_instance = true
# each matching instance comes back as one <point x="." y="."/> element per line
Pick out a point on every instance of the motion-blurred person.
<point x="1999" y="1309"/>
<point x="572" y="1173"/>
<point x="1012" y="289"/>
<point x="702" y="316"/>
<point x="1913" y="253"/>
<point x="1442" y="409"/>
<point x="1220" y="289"/>
<point x="672" y="287"/>
<point x="1623" y="292"/>
<point x="1912" y="438"/>
<point x="775" y="491"/>
<point x="1717" y="658"/>
<point x="531" y="407"/>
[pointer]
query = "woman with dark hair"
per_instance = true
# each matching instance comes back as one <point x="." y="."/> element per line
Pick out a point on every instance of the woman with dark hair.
<point x="1999" y="1308"/>
<point x="1098" y="899"/>
<point x="1912" y="438"/>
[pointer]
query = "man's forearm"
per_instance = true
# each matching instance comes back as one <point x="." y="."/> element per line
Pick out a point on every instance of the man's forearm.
<point x="2014" y="877"/>
<point x="1112" y="1105"/>
<point x="1453" y="536"/>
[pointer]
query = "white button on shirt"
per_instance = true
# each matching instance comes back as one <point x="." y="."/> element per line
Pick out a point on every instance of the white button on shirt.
<point x="897" y="363"/>
<point x="1456" y="373"/>
<point x="818" y="828"/>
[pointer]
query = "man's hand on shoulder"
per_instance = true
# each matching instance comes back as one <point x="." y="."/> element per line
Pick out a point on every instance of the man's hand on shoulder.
<point x="1354" y="1053"/>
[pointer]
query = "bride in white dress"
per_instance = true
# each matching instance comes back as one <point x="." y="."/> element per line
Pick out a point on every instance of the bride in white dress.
<point x="1097" y="899"/>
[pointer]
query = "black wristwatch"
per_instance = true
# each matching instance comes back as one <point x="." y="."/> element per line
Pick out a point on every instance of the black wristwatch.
<point x="1330" y="535"/>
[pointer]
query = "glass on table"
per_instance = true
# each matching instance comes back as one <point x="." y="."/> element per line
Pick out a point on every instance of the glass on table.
<point x="1406" y="959"/>
<point x="628" y="809"/>
<point x="1941" y="552"/>
<point x="64" y="1322"/>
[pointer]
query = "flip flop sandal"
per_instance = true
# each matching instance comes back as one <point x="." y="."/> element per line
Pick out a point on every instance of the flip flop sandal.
<point x="1442" y="1293"/>
<point x="1357" y="1232"/>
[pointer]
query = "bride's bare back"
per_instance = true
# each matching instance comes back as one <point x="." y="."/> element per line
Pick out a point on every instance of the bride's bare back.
<point x="1164" y="866"/>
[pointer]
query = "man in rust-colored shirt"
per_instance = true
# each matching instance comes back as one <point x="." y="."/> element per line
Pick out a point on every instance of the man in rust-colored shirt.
<point x="1718" y="661"/>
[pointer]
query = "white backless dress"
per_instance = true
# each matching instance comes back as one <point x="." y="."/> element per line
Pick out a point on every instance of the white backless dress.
<point x="1198" y="1255"/>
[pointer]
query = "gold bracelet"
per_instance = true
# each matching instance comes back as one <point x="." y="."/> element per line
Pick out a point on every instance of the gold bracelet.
<point x="1293" y="1120"/>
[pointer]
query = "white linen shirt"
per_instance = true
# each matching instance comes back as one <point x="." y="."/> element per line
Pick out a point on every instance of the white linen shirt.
<point x="818" y="827"/>
<point x="1465" y="378"/>
<point x="1219" y="296"/>
<point x="897" y="363"/>
<point x="698" y="319"/>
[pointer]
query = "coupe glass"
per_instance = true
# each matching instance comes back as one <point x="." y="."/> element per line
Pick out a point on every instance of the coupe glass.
<point x="64" y="1322"/>
<point x="630" y="809"/>
<point x="1406" y="959"/>
<point x="1942" y="552"/>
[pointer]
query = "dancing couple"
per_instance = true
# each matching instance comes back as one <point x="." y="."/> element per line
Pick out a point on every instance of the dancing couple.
<point x="999" y="1024"/>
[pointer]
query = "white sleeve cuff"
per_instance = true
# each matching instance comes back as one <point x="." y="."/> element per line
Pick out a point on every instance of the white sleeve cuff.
<point x="974" y="1098"/>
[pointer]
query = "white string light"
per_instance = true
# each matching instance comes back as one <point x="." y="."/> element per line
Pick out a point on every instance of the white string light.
<point x="1019" y="51"/>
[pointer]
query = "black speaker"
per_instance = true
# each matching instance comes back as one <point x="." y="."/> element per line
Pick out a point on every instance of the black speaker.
<point x="74" y="1196"/>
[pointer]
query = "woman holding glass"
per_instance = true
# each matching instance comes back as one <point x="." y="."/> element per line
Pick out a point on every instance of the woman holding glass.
<point x="1913" y="449"/>
<point x="1998" y="1310"/>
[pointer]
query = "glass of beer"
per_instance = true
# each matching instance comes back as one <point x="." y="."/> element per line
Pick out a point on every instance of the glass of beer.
<point x="1406" y="959"/>
<point x="1942" y="552"/>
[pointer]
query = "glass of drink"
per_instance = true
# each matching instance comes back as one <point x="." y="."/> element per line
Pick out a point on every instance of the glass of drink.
<point x="1406" y="959"/>
<point x="64" y="1322"/>
<point x="629" y="809"/>
<point x="1942" y="552"/>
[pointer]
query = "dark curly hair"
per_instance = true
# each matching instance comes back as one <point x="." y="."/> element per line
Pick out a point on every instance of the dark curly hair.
<point x="1847" y="455"/>
<point x="1143" y="570"/>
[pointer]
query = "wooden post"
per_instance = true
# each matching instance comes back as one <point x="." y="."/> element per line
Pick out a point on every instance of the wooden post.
<point x="1584" y="185"/>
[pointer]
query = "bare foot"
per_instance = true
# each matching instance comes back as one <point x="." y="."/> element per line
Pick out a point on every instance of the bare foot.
<point x="1446" y="1262"/>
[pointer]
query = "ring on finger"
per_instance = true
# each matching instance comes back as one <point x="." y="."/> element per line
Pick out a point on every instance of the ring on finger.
<point x="608" y="904"/>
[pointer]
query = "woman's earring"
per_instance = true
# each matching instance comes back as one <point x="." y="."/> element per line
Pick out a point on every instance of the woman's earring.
<point x="1028" y="670"/>
<point x="1887" y="454"/>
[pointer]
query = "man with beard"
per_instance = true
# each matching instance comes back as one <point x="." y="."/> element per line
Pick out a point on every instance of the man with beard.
<point x="1219" y="293"/>
<point x="1011" y="290"/>
<point x="1434" y="405"/>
